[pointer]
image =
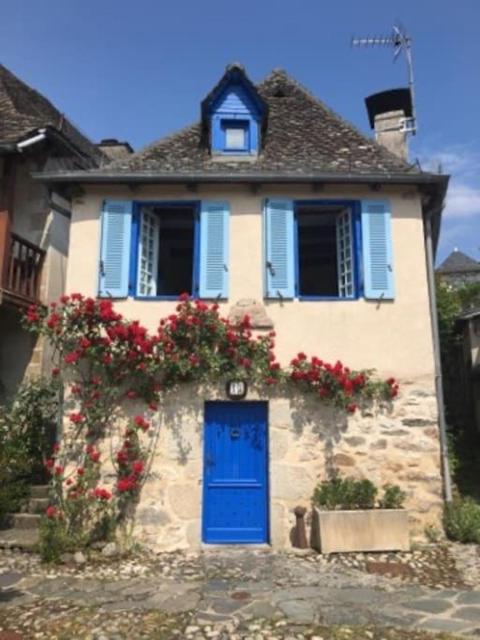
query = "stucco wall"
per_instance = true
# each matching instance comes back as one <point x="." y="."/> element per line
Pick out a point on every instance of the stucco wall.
<point x="393" y="337"/>
<point x="399" y="446"/>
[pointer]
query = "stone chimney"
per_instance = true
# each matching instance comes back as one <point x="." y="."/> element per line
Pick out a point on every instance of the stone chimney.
<point x="389" y="132"/>
<point x="388" y="113"/>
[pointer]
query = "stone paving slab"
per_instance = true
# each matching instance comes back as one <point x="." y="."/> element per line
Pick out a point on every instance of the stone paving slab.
<point x="241" y="586"/>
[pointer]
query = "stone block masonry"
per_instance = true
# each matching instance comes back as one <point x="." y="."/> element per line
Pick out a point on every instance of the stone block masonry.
<point x="397" y="444"/>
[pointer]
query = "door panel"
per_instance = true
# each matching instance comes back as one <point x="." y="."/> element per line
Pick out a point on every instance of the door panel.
<point x="235" y="504"/>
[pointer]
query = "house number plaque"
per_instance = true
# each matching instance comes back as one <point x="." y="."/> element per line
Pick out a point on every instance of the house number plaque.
<point x="236" y="389"/>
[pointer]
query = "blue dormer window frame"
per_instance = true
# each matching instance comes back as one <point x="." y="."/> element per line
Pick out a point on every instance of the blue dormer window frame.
<point x="235" y="108"/>
<point x="223" y="121"/>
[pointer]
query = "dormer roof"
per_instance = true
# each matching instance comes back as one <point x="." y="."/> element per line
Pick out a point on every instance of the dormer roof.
<point x="234" y="75"/>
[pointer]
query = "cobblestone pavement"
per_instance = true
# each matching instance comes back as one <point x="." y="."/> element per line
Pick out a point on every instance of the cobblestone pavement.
<point x="235" y="594"/>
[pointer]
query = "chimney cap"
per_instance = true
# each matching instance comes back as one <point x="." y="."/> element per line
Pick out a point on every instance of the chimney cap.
<point x="391" y="100"/>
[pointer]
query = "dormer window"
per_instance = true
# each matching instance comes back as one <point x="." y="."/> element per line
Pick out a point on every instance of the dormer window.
<point x="236" y="133"/>
<point x="234" y="116"/>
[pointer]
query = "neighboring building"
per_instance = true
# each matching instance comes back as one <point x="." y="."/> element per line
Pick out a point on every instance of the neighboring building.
<point x="273" y="205"/>
<point x="459" y="269"/>
<point x="34" y="218"/>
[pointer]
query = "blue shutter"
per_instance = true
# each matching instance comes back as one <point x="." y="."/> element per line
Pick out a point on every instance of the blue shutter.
<point x="279" y="249"/>
<point x="377" y="250"/>
<point x="115" y="248"/>
<point x="214" y="236"/>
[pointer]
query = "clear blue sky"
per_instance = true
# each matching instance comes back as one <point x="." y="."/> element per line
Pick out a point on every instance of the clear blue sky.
<point x="137" y="69"/>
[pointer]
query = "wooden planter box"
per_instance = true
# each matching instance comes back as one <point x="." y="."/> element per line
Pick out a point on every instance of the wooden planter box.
<point x="369" y="530"/>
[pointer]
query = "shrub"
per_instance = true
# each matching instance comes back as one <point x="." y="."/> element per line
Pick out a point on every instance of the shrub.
<point x="461" y="520"/>
<point x="54" y="539"/>
<point x="345" y="493"/>
<point x="393" y="497"/>
<point x="27" y="429"/>
<point x="365" y="493"/>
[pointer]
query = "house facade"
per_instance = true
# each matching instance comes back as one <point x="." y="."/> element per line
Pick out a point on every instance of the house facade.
<point x="34" y="218"/>
<point x="274" y="207"/>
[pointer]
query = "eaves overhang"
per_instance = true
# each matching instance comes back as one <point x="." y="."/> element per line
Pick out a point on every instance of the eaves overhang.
<point x="145" y="177"/>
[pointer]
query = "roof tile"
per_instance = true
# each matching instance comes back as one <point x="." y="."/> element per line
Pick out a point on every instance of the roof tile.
<point x="303" y="136"/>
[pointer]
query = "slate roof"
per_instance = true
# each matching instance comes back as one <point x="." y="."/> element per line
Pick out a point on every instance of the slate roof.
<point x="458" y="262"/>
<point x="23" y="110"/>
<point x="303" y="137"/>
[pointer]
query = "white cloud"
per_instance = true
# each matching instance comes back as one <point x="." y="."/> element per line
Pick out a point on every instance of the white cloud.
<point x="463" y="164"/>
<point x="462" y="200"/>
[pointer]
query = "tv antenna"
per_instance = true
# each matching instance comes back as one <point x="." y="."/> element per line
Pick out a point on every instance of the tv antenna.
<point x="401" y="43"/>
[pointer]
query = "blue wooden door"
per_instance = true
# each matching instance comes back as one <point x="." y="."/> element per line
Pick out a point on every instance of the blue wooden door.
<point x="235" y="494"/>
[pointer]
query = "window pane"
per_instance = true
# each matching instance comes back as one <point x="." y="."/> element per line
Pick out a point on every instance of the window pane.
<point x="176" y="247"/>
<point x="235" y="138"/>
<point x="317" y="253"/>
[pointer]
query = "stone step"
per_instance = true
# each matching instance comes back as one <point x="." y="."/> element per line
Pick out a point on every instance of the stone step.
<point x="39" y="491"/>
<point x="25" y="520"/>
<point x="25" y="539"/>
<point x="37" y="505"/>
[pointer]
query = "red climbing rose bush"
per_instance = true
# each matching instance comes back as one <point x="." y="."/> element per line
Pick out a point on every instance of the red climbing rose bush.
<point x="339" y="383"/>
<point x="105" y="361"/>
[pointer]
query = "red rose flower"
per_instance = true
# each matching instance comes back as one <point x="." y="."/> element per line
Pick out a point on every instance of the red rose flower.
<point x="72" y="358"/>
<point x="102" y="494"/>
<point x="51" y="512"/>
<point x="122" y="457"/>
<point x="138" y="467"/>
<point x="94" y="455"/>
<point x="53" y="320"/>
<point x="141" y="423"/>
<point x="126" y="484"/>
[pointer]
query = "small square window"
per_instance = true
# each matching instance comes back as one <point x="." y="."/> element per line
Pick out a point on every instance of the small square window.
<point x="234" y="138"/>
<point x="235" y="135"/>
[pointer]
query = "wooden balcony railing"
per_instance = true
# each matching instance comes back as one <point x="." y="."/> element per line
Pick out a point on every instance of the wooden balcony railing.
<point x="23" y="269"/>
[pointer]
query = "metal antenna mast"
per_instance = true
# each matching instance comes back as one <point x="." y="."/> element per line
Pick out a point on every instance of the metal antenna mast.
<point x="401" y="43"/>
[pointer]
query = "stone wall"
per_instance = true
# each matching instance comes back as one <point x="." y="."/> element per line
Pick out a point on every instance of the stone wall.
<point x="397" y="444"/>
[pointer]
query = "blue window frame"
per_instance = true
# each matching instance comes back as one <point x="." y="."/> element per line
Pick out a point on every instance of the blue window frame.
<point x="235" y="135"/>
<point x="146" y="269"/>
<point x="327" y="250"/>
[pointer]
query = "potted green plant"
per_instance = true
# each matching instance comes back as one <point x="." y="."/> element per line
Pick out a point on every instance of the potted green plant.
<point x="348" y="516"/>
